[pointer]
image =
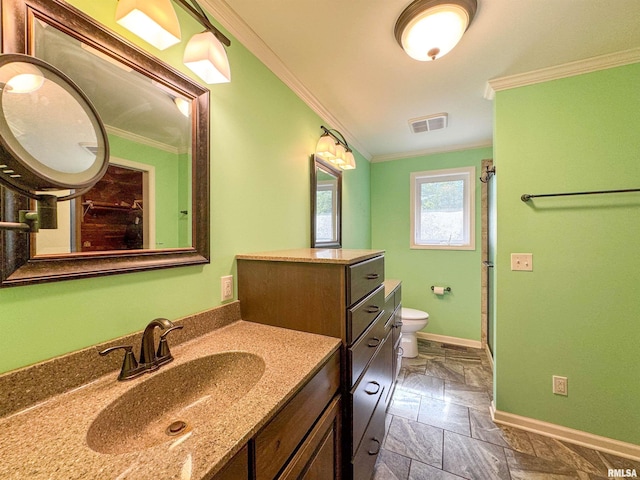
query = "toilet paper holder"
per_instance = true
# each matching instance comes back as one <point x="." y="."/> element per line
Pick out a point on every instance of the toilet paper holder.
<point x="447" y="289"/>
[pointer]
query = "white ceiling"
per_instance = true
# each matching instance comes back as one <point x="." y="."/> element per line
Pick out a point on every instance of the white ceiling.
<point x="345" y="61"/>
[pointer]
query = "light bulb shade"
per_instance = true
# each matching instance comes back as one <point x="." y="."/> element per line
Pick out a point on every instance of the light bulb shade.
<point x="183" y="105"/>
<point x="326" y="148"/>
<point x="349" y="161"/>
<point x="429" y="29"/>
<point x="207" y="58"/>
<point x="340" y="154"/>
<point x="155" y="21"/>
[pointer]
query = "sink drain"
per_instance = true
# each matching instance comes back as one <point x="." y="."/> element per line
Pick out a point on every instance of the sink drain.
<point x="176" y="428"/>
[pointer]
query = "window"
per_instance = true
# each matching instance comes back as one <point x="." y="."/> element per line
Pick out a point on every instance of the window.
<point x="443" y="209"/>
<point x="326" y="206"/>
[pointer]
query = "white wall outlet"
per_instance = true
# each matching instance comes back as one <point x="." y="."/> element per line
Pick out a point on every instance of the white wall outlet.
<point x="226" y="287"/>
<point x="522" y="262"/>
<point x="560" y="385"/>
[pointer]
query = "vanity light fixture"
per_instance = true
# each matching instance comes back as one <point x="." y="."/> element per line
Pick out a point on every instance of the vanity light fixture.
<point x="156" y="22"/>
<point x="333" y="148"/>
<point x="429" y="29"/>
<point x="207" y="58"/>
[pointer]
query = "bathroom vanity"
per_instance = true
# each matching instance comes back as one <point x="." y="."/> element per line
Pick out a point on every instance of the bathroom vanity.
<point x="258" y="402"/>
<point x="340" y="293"/>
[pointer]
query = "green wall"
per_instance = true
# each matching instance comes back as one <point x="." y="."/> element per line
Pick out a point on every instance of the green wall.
<point x="456" y="314"/>
<point x="577" y="313"/>
<point x="261" y="137"/>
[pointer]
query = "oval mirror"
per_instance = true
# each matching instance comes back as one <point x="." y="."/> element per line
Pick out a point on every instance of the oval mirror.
<point x="51" y="137"/>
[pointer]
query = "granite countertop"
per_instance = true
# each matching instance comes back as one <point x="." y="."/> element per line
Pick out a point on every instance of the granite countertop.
<point x="389" y="287"/>
<point x="314" y="255"/>
<point x="49" y="440"/>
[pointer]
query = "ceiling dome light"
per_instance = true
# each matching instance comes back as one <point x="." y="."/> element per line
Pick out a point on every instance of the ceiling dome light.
<point x="429" y="29"/>
<point x="28" y="79"/>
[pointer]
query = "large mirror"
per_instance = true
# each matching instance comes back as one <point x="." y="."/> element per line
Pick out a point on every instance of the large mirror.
<point x="326" y="205"/>
<point x="151" y="208"/>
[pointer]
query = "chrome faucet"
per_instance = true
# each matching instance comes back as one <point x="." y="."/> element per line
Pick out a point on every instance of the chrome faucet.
<point x="150" y="358"/>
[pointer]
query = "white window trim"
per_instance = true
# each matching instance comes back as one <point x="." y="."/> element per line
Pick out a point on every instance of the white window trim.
<point x="468" y="175"/>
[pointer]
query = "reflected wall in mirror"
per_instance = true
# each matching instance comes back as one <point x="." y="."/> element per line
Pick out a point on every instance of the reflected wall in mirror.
<point x="152" y="208"/>
<point x="148" y="124"/>
<point x="326" y="205"/>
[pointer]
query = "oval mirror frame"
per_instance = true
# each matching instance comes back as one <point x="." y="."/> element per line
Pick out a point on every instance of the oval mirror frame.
<point x="19" y="266"/>
<point x="33" y="164"/>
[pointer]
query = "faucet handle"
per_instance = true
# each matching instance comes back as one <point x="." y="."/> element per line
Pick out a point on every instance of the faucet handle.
<point x="129" y="368"/>
<point x="163" y="354"/>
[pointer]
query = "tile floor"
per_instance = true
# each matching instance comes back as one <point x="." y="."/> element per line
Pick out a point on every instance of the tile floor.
<point x="439" y="427"/>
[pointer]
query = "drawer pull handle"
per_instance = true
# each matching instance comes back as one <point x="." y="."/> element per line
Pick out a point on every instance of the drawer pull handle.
<point x="373" y="276"/>
<point x="372" y="309"/>
<point x="374" y="342"/>
<point x="369" y="392"/>
<point x="377" y="450"/>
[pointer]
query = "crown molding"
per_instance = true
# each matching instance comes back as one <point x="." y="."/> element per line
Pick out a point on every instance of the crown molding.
<point x="144" y="140"/>
<point x="579" y="67"/>
<point x="239" y="29"/>
<point x="430" y="151"/>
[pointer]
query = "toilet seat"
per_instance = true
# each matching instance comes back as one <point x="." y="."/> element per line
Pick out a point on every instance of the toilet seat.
<point x="413" y="314"/>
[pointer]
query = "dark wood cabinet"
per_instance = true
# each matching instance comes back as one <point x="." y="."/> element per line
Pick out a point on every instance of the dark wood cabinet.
<point x="275" y="443"/>
<point x="337" y="293"/>
<point x="237" y="468"/>
<point x="302" y="440"/>
<point x="320" y="456"/>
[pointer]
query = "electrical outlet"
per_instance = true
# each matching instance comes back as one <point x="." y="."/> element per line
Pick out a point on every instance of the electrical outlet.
<point x="226" y="287"/>
<point x="522" y="261"/>
<point x="560" y="386"/>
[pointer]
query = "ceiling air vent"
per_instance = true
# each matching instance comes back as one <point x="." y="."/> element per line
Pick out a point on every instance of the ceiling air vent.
<point x="428" y="123"/>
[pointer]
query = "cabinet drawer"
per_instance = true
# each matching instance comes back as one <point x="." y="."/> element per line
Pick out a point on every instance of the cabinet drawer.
<point x="363" y="349"/>
<point x="372" y="387"/>
<point x="364" y="460"/>
<point x="396" y="325"/>
<point x="361" y="315"/>
<point x="275" y="443"/>
<point x="364" y="277"/>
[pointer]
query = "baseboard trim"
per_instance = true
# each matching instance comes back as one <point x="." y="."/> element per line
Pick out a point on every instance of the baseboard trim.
<point x="463" y="342"/>
<point x="578" y="437"/>
<point x="489" y="356"/>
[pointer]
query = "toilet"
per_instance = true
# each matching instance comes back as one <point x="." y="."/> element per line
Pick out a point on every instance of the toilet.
<point x="412" y="321"/>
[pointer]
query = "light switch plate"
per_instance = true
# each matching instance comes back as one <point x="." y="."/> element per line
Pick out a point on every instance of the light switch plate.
<point x="522" y="262"/>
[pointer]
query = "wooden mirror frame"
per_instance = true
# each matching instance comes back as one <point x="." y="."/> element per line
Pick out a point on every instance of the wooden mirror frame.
<point x="315" y="164"/>
<point x="17" y="264"/>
